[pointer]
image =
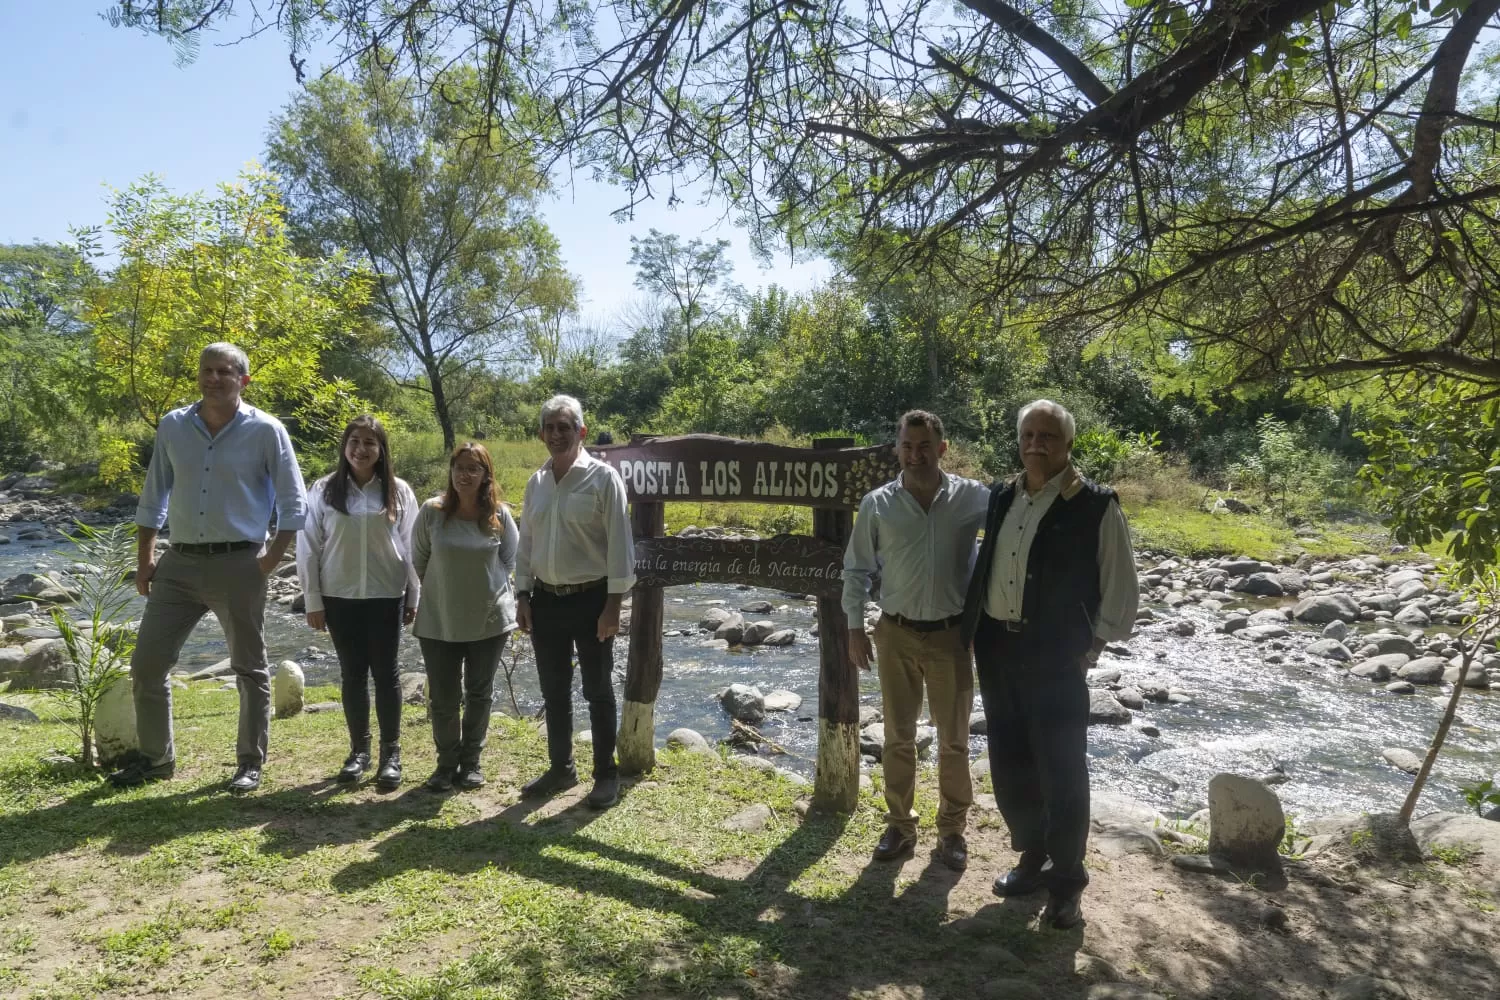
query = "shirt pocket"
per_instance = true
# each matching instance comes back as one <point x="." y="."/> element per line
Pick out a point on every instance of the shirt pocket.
<point x="583" y="508"/>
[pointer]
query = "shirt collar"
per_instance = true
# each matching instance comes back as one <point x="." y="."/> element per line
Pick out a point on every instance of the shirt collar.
<point x="1066" y="483"/>
<point x="945" y="484"/>
<point x="583" y="461"/>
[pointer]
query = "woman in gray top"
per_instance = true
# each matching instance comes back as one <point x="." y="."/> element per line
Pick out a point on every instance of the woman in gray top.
<point x="464" y="549"/>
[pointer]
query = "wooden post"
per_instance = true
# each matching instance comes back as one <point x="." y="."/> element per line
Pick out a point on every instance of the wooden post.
<point x="637" y="740"/>
<point x="837" y="786"/>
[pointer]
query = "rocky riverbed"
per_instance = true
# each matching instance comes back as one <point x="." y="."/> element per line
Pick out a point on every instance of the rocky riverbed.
<point x="1323" y="677"/>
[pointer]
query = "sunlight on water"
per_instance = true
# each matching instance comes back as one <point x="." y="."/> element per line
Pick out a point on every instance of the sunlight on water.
<point x="1323" y="728"/>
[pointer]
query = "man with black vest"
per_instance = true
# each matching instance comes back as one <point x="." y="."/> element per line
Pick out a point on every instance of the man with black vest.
<point x="1055" y="580"/>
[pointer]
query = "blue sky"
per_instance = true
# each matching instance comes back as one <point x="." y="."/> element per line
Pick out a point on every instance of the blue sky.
<point x="84" y="105"/>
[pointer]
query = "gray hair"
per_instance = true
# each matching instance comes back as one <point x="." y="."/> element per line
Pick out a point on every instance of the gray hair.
<point x="562" y="404"/>
<point x="224" y="349"/>
<point x="1069" y="428"/>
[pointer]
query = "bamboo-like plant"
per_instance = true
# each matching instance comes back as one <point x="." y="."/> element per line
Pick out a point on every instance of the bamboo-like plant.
<point x="98" y="638"/>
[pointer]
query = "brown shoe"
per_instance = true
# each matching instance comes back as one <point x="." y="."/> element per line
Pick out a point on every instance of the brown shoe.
<point x="894" y="846"/>
<point x="953" y="851"/>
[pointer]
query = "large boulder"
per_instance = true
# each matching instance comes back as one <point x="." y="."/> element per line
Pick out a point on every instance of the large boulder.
<point x="40" y="663"/>
<point x="757" y="632"/>
<point x="1330" y="649"/>
<point x="22" y="585"/>
<point x="1402" y="759"/>
<point x="1321" y="609"/>
<point x="714" y="617"/>
<point x="114" y="723"/>
<point x="16" y="713"/>
<point x="1380" y="602"/>
<point x="1425" y="670"/>
<point x="1246" y="823"/>
<point x="1389" y="642"/>
<point x="1260" y="633"/>
<point x="781" y="637"/>
<point x="743" y="702"/>
<point x="1411" y="590"/>
<point x="1259" y="584"/>
<point x="1379" y="668"/>
<point x="783" y="701"/>
<point x="1292" y="581"/>
<point x="1475" y="678"/>
<point x="690" y="740"/>
<point x="287" y="688"/>
<point x="872" y="740"/>
<point x="1103" y="708"/>
<point x="1336" y="630"/>
<point x="1412" y="614"/>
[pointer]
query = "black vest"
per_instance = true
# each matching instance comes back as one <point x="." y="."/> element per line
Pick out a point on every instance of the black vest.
<point x="1060" y="598"/>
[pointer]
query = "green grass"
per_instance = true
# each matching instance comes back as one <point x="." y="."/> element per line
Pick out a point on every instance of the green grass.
<point x="176" y="888"/>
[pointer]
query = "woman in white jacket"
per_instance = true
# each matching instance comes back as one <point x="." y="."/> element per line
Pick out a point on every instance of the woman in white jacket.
<point x="354" y="559"/>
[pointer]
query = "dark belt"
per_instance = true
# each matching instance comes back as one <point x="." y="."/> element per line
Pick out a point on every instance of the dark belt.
<point x="564" y="589"/>
<point x="1008" y="624"/>
<point x="210" y="548"/>
<point x="918" y="625"/>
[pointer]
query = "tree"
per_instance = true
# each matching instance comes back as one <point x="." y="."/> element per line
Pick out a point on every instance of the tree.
<point x="403" y="176"/>
<point x="1292" y="186"/>
<point x="194" y="269"/>
<point x="42" y="341"/>
<point x="686" y="275"/>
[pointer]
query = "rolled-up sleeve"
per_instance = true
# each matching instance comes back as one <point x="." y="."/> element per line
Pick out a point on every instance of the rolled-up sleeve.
<point x="620" y="545"/>
<point x="310" y="556"/>
<point x="1119" y="590"/>
<point x="523" y="541"/>
<point x="151" y="511"/>
<point x="860" y="563"/>
<point x="406" y="523"/>
<point x="291" y="494"/>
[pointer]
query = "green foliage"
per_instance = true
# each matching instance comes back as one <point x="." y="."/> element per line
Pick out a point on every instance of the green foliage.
<point x="1435" y="469"/>
<point x="194" y="269"/>
<point x="42" y="346"/>
<point x="468" y="279"/>
<point x="1482" y="796"/>
<point x="99" y="641"/>
<point x="1290" y="474"/>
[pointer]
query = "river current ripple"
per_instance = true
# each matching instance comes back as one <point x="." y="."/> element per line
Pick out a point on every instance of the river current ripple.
<point x="1324" y="729"/>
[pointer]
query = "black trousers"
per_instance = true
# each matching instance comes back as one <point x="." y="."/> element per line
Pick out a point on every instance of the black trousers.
<point x="366" y="636"/>
<point x="560" y="625"/>
<point x="461" y="695"/>
<point x="1038" y="714"/>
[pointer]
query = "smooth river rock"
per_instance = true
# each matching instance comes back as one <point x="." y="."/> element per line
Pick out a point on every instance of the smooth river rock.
<point x="1246" y="822"/>
<point x="1324" y="608"/>
<point x="743" y="702"/>
<point x="1103" y="708"/>
<point x="287" y="688"/>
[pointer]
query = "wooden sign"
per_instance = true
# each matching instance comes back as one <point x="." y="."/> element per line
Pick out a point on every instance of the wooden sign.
<point x="709" y="467"/>
<point x="794" y="563"/>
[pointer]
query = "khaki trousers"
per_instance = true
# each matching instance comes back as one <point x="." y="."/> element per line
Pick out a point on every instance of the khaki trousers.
<point x="905" y="658"/>
<point x="183" y="590"/>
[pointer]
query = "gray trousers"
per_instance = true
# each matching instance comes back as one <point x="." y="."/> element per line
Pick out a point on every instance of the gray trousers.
<point x="461" y="695"/>
<point x="183" y="590"/>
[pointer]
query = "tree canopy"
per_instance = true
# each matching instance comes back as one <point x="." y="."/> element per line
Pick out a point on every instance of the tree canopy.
<point x="1288" y="186"/>
<point x="467" y="276"/>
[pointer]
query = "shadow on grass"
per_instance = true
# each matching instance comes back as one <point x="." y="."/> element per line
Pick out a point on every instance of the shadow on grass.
<point x="884" y="930"/>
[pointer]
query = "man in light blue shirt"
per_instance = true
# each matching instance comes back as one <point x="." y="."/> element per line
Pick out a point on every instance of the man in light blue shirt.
<point x="218" y="470"/>
<point x="918" y="533"/>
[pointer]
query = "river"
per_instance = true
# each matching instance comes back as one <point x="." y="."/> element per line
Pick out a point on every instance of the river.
<point x="1325" y="729"/>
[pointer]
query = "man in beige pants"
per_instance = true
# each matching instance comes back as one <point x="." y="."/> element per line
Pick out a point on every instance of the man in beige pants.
<point x="917" y="532"/>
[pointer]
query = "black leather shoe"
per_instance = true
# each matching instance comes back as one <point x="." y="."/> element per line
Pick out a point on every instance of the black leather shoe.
<point x="388" y="777"/>
<point x="354" y="767"/>
<point x="442" y="779"/>
<point x="605" y="793"/>
<point x="245" y="780"/>
<point x="1063" y="912"/>
<point x="953" y="851"/>
<point x="140" y="771"/>
<point x="1018" y="882"/>
<point x="469" y="777"/>
<point x="893" y="846"/>
<point x="549" y="783"/>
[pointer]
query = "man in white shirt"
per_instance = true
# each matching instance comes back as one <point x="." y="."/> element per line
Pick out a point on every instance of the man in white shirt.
<point x="575" y="563"/>
<point x="1055" y="580"/>
<point x="917" y="532"/>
